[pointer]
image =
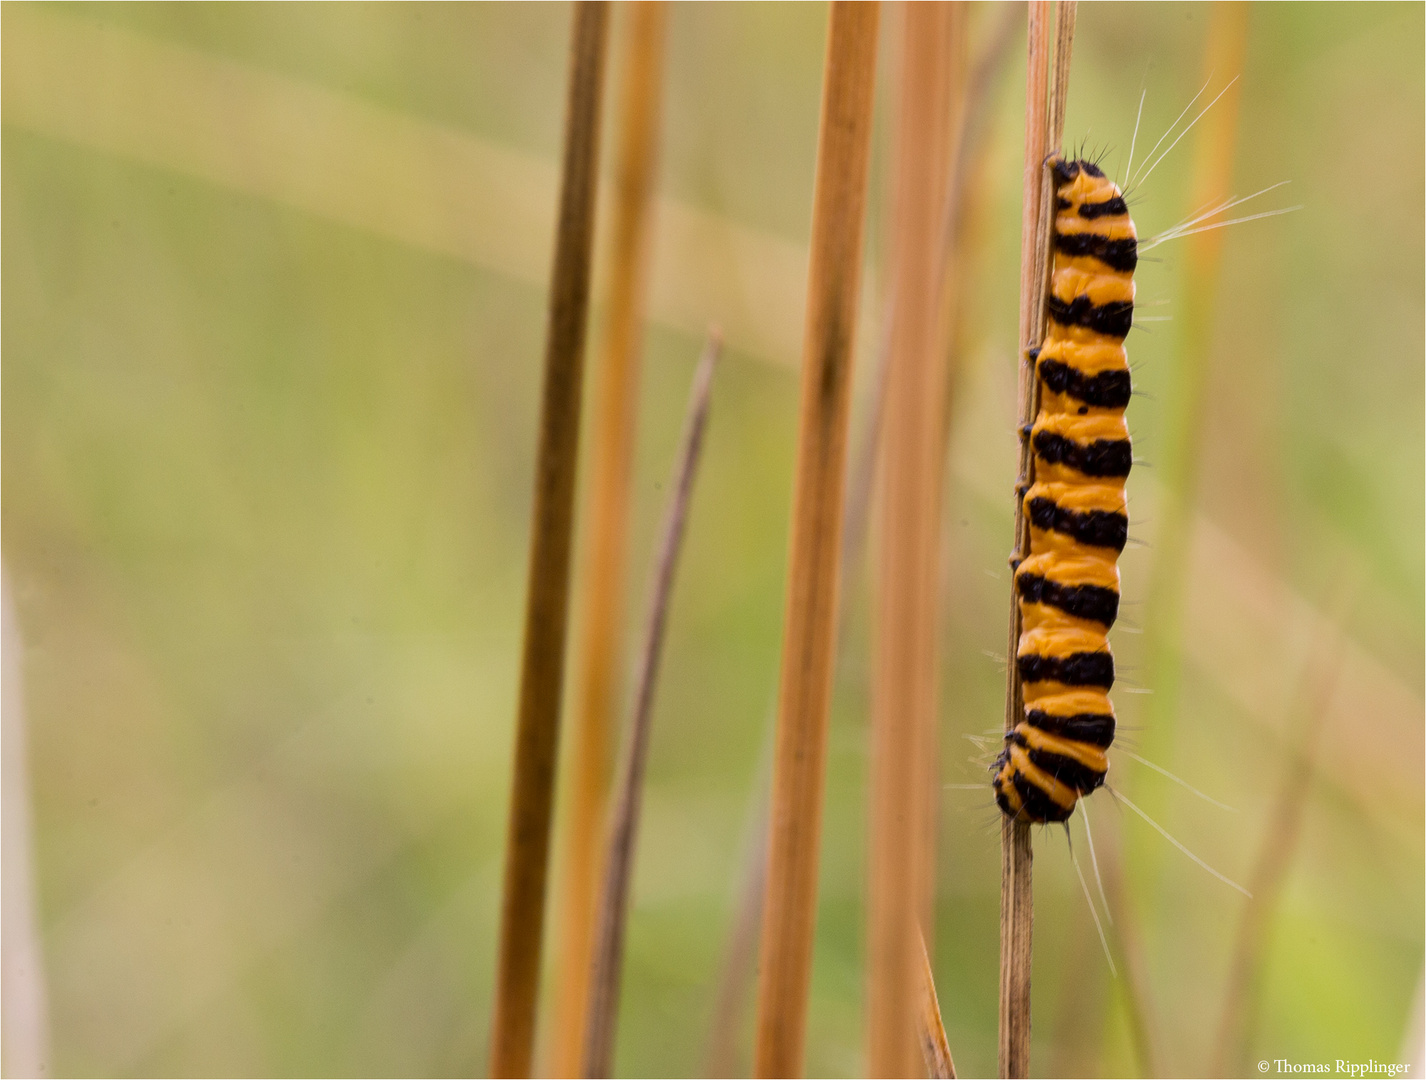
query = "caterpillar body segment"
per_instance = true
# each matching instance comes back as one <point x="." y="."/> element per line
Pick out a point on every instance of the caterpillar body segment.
<point x="1068" y="584"/>
<point x="1076" y="519"/>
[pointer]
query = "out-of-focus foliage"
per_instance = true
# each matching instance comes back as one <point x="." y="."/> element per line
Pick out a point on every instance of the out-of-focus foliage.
<point x="267" y="476"/>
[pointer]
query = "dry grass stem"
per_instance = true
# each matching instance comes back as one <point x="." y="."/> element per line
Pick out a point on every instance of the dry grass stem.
<point x="861" y="479"/>
<point x="935" y="1050"/>
<point x="602" y="1012"/>
<point x="600" y="632"/>
<point x="1044" y="121"/>
<point x="1065" y="12"/>
<point x="799" y="758"/>
<point x="1016" y="852"/>
<point x="738" y="967"/>
<point x="904" y="732"/>
<point x="542" y="669"/>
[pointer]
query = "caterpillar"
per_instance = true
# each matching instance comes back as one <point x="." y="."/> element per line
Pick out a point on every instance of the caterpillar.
<point x="1068" y="584"/>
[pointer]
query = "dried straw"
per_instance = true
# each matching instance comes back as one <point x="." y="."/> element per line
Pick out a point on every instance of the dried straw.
<point x="739" y="955"/>
<point x="935" y="1050"/>
<point x="604" y="536"/>
<point x="542" y="671"/>
<point x="799" y="759"/>
<point x="903" y="737"/>
<point x="1044" y="122"/>
<point x="603" y="1005"/>
<point x="738" y="966"/>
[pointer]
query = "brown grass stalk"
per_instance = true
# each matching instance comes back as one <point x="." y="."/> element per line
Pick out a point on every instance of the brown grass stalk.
<point x="1044" y="122"/>
<point x="903" y="738"/>
<point x="1016" y="853"/>
<point x="738" y="967"/>
<point x="943" y="365"/>
<point x="604" y="536"/>
<point x="603" y="1009"/>
<point x="1241" y="1002"/>
<point x="542" y="671"/>
<point x="935" y="1050"/>
<point x="800" y="749"/>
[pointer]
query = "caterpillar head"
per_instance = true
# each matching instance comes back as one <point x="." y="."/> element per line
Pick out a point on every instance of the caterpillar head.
<point x="1066" y="171"/>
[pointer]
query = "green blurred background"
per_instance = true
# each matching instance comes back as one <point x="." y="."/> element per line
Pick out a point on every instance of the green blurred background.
<point x="269" y="399"/>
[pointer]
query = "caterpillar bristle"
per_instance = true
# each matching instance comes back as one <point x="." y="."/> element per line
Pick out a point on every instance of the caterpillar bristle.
<point x="1131" y="181"/>
<point x="1094" y="862"/>
<point x="1103" y="941"/>
<point x="1177" y="780"/>
<point x="1120" y="797"/>
<point x="1129" y="168"/>
<point x="1185" y="131"/>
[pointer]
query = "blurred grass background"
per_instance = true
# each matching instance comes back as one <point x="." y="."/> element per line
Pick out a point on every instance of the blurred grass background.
<point x="267" y="463"/>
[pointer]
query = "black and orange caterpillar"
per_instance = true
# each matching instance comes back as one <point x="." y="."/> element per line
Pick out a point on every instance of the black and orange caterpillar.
<point x="1068" y="585"/>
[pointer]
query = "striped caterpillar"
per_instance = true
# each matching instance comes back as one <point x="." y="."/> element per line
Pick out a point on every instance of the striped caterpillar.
<point x="1068" y="585"/>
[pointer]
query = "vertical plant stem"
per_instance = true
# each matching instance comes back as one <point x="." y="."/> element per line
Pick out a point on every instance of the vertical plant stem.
<point x="903" y="732"/>
<point x="1016" y="915"/>
<point x="1044" y="121"/>
<point x="604" y="538"/>
<point x="542" y="670"/>
<point x="1016" y="853"/>
<point x="1215" y="144"/>
<point x="739" y="956"/>
<point x="942" y="362"/>
<point x="799" y="758"/>
<point x="602" y="1013"/>
<point x="935" y="1050"/>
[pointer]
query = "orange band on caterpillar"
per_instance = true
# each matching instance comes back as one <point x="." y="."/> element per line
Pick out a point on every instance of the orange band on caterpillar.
<point x="1068" y="585"/>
